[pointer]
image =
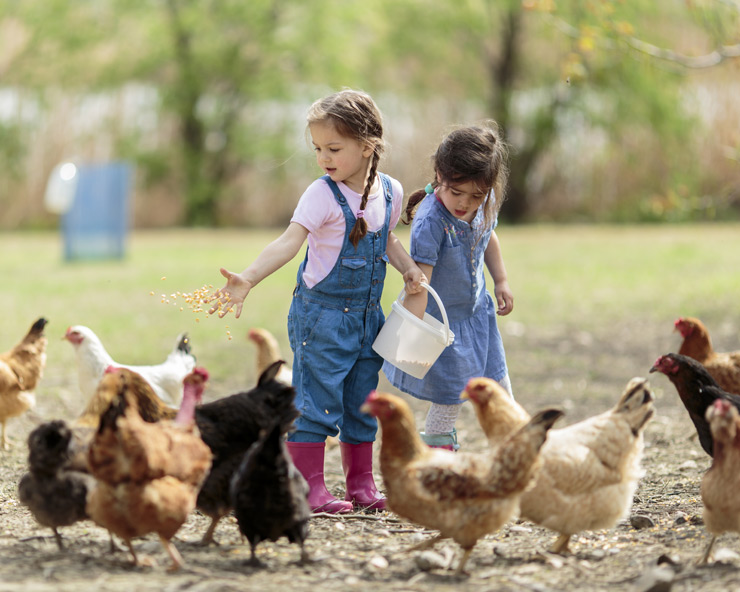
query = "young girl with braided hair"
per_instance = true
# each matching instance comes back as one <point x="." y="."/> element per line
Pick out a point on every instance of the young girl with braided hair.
<point x="347" y="216"/>
<point x="453" y="240"/>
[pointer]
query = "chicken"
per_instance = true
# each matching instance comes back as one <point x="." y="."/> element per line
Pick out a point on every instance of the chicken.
<point x="268" y="352"/>
<point x="697" y="389"/>
<point x="21" y="369"/>
<point x="229" y="426"/>
<point x="498" y="413"/>
<point x="720" y="484"/>
<point x="165" y="378"/>
<point x="148" y="474"/>
<point x="53" y="489"/>
<point x="723" y="366"/>
<point x="590" y="469"/>
<point x="463" y="495"/>
<point x="150" y="406"/>
<point x="269" y="494"/>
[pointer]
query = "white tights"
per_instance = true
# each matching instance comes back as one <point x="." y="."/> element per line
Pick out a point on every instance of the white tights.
<point x="441" y="418"/>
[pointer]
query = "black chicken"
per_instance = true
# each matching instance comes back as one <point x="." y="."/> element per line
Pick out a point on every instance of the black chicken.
<point x="54" y="490"/>
<point x="697" y="389"/>
<point x="229" y="426"/>
<point x="269" y="494"/>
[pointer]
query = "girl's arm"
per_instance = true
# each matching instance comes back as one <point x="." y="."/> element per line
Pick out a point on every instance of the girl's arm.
<point x="417" y="302"/>
<point x="406" y="266"/>
<point x="273" y="257"/>
<point x="495" y="264"/>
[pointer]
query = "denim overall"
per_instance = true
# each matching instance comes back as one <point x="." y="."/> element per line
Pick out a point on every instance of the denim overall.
<point x="331" y="328"/>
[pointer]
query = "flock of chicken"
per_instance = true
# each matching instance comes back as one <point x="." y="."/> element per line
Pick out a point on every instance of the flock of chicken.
<point x="147" y="451"/>
<point x="136" y="465"/>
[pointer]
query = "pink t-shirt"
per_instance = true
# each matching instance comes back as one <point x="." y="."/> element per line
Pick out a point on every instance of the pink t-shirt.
<point x="319" y="213"/>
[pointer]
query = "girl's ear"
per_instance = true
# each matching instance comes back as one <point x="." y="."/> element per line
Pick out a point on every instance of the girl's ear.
<point x="439" y="178"/>
<point x="368" y="151"/>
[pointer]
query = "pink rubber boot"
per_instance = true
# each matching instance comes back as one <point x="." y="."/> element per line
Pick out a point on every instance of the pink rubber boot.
<point x="357" y="461"/>
<point x="308" y="457"/>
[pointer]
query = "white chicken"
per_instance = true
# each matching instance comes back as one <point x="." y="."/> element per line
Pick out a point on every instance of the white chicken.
<point x="165" y="378"/>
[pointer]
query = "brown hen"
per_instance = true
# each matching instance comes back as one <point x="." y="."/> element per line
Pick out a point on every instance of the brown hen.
<point x="721" y="482"/>
<point x="21" y="368"/>
<point x="462" y="495"/>
<point x="148" y="474"/>
<point x="697" y="344"/>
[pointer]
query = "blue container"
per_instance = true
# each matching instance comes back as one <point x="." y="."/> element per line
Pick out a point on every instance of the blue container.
<point x="96" y="224"/>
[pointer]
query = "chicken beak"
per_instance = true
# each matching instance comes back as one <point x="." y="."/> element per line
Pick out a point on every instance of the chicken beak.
<point x="366" y="408"/>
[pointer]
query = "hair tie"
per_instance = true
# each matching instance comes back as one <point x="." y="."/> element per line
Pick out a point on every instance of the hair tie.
<point x="360" y="214"/>
<point x="429" y="189"/>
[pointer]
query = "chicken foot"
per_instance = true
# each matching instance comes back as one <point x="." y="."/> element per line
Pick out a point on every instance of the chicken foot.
<point x="560" y="546"/>
<point x="708" y="552"/>
<point x="208" y="536"/>
<point x="5" y="441"/>
<point x="427" y="544"/>
<point x="174" y="554"/>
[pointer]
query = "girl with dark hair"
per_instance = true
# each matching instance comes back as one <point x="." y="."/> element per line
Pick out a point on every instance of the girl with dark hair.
<point x="453" y="241"/>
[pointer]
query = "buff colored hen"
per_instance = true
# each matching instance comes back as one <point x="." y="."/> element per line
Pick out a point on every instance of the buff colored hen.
<point x="590" y="469"/>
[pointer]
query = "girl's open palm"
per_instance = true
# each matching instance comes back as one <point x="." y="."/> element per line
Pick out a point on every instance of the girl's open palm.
<point x="231" y="296"/>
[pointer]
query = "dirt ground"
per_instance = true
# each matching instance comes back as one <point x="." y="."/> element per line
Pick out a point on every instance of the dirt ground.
<point x="582" y="372"/>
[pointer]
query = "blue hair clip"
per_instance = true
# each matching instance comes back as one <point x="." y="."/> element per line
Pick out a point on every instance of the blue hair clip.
<point x="429" y="189"/>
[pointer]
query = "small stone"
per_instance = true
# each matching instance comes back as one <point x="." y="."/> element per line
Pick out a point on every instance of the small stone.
<point x="640" y="521"/>
<point x="378" y="562"/>
<point x="429" y="560"/>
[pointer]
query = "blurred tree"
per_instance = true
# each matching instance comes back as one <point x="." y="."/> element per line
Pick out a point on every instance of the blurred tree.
<point x="578" y="85"/>
<point x="548" y="72"/>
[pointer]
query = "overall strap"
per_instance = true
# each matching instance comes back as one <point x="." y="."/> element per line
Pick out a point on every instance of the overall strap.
<point x="387" y="189"/>
<point x="338" y="195"/>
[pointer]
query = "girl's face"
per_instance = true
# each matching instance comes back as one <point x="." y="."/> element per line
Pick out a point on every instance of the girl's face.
<point x="461" y="199"/>
<point x="344" y="159"/>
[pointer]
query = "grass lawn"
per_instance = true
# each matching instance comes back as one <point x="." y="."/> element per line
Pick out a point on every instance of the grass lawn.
<point x="565" y="279"/>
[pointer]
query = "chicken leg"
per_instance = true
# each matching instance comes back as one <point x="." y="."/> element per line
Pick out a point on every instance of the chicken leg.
<point x="560" y="546"/>
<point x="708" y="552"/>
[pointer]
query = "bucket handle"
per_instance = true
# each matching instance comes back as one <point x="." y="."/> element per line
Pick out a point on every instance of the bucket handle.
<point x="441" y="306"/>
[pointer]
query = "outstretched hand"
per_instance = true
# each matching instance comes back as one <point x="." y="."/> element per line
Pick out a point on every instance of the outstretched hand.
<point x="231" y="296"/>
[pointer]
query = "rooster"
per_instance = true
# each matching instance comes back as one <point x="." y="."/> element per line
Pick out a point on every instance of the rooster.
<point x="697" y="390"/>
<point x="148" y="474"/>
<point x="590" y="469"/>
<point x="720" y="484"/>
<point x="165" y="378"/>
<point x="723" y="366"/>
<point x="21" y="369"/>
<point x="53" y="489"/>
<point x="462" y="495"/>
<point x="269" y="495"/>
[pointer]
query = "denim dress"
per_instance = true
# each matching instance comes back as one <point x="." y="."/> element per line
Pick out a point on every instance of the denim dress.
<point x="456" y="251"/>
<point x="331" y="328"/>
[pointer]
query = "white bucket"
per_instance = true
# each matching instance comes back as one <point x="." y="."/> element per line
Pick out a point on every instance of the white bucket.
<point x="410" y="343"/>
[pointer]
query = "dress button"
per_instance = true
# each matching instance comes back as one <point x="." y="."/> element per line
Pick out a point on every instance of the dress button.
<point x="346" y="310"/>
<point x="304" y="343"/>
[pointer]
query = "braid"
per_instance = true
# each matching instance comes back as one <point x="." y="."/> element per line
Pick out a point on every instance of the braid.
<point x="414" y="200"/>
<point x="359" y="230"/>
